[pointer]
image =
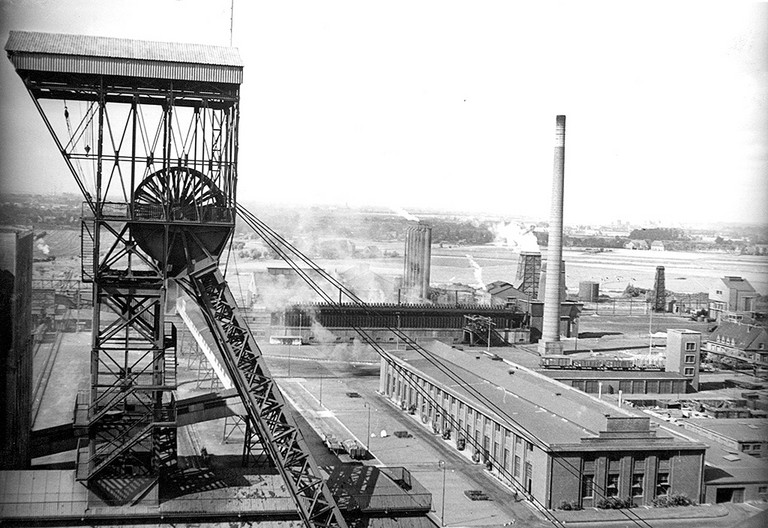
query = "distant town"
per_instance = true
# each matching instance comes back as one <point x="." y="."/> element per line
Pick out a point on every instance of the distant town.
<point x="63" y="211"/>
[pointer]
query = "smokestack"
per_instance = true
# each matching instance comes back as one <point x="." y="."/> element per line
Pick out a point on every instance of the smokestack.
<point x="550" y="332"/>
<point x="418" y="254"/>
<point x="543" y="282"/>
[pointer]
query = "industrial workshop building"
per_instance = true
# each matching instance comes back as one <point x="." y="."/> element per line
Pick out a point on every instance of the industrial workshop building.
<point x="551" y="442"/>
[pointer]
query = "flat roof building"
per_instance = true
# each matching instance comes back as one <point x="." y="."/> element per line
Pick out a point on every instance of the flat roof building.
<point x="553" y="443"/>
<point x="684" y="355"/>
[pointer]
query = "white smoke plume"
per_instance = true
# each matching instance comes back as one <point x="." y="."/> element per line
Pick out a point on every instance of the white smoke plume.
<point x="276" y="293"/>
<point x="517" y="236"/>
<point x="322" y="334"/>
<point x="478" y="271"/>
<point x="40" y="243"/>
<point x="42" y="246"/>
<point x="405" y="214"/>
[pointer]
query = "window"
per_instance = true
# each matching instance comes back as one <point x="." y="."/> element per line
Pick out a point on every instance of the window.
<point x="506" y="459"/>
<point x="690" y="346"/>
<point x="762" y="489"/>
<point x="612" y="485"/>
<point x="690" y="358"/>
<point x="637" y="485"/>
<point x="529" y="446"/>
<point x="517" y="467"/>
<point x="719" y="292"/>
<point x="761" y="346"/>
<point x="689" y="371"/>
<point x="587" y="486"/>
<point x="662" y="483"/>
<point x="518" y="442"/>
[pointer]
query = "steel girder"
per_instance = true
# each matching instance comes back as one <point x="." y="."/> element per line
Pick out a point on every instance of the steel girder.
<point x="267" y="414"/>
<point x="112" y="135"/>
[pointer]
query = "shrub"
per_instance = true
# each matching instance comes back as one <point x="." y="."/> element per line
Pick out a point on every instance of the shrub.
<point x="567" y="506"/>
<point x="676" y="499"/>
<point x="614" y="503"/>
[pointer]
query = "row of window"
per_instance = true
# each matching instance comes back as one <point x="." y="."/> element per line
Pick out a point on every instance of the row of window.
<point x="470" y="423"/>
<point x="612" y="485"/>
<point x="731" y="341"/>
<point x="754" y="449"/>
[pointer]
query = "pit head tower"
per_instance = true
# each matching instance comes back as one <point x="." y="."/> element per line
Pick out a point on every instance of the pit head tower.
<point x="149" y="131"/>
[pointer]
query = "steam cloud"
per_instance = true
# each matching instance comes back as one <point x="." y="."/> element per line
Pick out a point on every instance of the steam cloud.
<point x="516" y="236"/>
<point x="405" y="214"/>
<point x="42" y="246"/>
<point x="40" y="243"/>
<point x="478" y="271"/>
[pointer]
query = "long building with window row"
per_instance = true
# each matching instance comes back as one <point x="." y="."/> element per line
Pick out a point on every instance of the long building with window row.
<point x="550" y="441"/>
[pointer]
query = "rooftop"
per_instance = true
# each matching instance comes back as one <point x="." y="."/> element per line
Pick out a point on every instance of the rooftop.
<point x="737" y="283"/>
<point x="738" y="429"/>
<point x="109" y="47"/>
<point x="547" y="410"/>
<point x="743" y="335"/>
<point x="612" y="374"/>
<point x="54" y="53"/>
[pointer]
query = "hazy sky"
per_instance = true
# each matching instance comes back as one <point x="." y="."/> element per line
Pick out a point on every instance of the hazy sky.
<point x="452" y="105"/>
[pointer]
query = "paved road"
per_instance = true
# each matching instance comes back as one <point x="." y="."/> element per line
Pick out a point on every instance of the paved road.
<point x="419" y="454"/>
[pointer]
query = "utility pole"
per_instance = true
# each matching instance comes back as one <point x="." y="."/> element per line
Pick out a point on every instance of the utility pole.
<point x="368" y="436"/>
<point x="650" y="331"/>
<point x="441" y="465"/>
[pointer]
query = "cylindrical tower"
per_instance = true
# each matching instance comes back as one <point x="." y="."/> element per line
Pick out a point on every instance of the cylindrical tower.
<point x="550" y="333"/>
<point x="418" y="253"/>
<point x="543" y="282"/>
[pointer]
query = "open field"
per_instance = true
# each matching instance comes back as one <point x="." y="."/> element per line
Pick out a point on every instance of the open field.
<point x="685" y="272"/>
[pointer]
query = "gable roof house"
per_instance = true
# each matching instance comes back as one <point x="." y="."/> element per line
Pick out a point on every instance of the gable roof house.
<point x="739" y="342"/>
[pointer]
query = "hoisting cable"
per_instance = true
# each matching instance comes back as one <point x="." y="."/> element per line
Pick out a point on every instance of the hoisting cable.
<point x="274" y="240"/>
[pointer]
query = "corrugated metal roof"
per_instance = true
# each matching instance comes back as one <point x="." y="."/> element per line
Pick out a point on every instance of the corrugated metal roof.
<point x="118" y="48"/>
<point x="123" y="57"/>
